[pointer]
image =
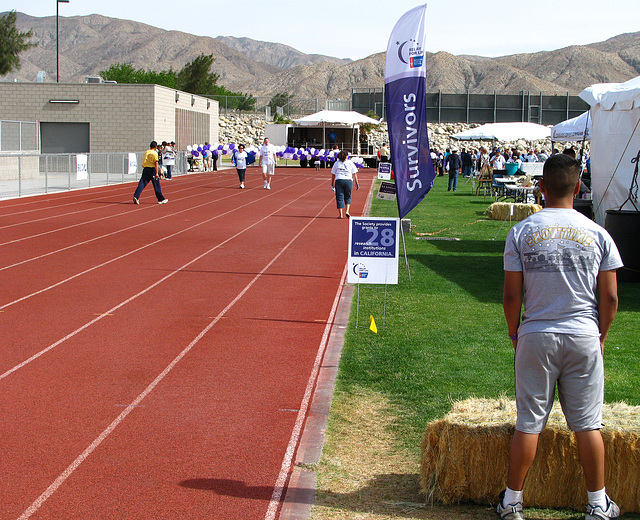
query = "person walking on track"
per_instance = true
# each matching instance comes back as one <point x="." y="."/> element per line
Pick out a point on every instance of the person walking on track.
<point x="150" y="174"/>
<point x="268" y="162"/>
<point x="343" y="173"/>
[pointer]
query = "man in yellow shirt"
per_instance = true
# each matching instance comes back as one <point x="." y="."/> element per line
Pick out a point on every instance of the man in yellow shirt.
<point x="150" y="174"/>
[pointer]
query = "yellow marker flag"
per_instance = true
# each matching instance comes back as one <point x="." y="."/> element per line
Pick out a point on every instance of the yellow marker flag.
<point x="373" y="325"/>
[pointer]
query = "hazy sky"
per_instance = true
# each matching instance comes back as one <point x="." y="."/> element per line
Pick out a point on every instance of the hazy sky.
<point x="358" y="28"/>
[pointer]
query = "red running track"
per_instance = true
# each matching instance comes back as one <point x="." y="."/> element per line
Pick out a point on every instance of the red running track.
<point x="156" y="361"/>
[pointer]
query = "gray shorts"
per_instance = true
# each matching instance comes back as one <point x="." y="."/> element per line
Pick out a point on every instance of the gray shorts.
<point x="574" y="363"/>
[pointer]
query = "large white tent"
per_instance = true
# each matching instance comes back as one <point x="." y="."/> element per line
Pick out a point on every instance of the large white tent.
<point x="576" y="129"/>
<point x="504" y="132"/>
<point x="615" y="140"/>
<point x="336" y="119"/>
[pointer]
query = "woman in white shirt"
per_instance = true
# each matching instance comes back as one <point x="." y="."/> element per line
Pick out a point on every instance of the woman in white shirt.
<point x="240" y="160"/>
<point x="343" y="173"/>
<point x="169" y="158"/>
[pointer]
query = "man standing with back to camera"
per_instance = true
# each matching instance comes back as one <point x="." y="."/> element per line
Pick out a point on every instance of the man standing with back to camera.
<point x="562" y="266"/>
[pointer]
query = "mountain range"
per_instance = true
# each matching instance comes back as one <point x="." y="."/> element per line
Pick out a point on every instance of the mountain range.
<point x="89" y="44"/>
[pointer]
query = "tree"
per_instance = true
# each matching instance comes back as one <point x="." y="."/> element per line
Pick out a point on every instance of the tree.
<point x="196" y="77"/>
<point x="233" y="100"/>
<point x="367" y="127"/>
<point x="12" y="43"/>
<point x="280" y="100"/>
<point x="125" y="73"/>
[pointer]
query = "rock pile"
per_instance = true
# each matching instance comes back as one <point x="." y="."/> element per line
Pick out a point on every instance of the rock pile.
<point x="249" y="130"/>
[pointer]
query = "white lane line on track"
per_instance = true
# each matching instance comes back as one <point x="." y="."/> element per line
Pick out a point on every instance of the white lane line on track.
<point x="167" y="237"/>
<point x="35" y="506"/>
<point x="146" y="222"/>
<point x="109" y="192"/>
<point x="144" y="291"/>
<point x="184" y="184"/>
<point x="287" y="461"/>
<point x="86" y="222"/>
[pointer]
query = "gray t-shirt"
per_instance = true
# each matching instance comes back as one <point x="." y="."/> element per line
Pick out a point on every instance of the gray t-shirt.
<point x="560" y="253"/>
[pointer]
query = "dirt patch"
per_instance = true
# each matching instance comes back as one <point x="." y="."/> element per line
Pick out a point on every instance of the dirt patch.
<point x="364" y="475"/>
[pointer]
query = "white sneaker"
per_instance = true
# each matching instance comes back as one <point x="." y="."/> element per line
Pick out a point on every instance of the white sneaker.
<point x="265" y="185"/>
<point x="136" y="201"/>
<point x="510" y="511"/>
<point x="268" y="186"/>
<point x="242" y="186"/>
<point x="164" y="201"/>
<point x="597" y="513"/>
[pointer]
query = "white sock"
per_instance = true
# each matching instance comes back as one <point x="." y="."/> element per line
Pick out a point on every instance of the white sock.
<point x="511" y="497"/>
<point x="598" y="498"/>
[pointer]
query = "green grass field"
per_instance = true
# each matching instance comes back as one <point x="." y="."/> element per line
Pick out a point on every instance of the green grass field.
<point x="444" y="335"/>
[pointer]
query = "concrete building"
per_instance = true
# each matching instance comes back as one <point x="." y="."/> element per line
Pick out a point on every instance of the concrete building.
<point x="97" y="118"/>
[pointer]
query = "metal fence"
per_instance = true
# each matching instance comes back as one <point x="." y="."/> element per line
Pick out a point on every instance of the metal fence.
<point x="443" y="106"/>
<point x="468" y="106"/>
<point x="32" y="174"/>
<point x="261" y="106"/>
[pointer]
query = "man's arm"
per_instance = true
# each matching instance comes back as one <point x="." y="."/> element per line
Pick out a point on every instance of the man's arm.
<point x="512" y="300"/>
<point x="607" y="302"/>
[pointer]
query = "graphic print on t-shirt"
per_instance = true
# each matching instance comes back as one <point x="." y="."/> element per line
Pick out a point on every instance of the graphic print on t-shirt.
<point x="558" y="248"/>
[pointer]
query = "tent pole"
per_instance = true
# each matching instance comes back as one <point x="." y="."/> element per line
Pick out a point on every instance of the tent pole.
<point x="583" y="161"/>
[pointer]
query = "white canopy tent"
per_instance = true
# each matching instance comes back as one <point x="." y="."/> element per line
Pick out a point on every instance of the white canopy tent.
<point x="504" y="132"/>
<point x="615" y="140"/>
<point x="336" y="118"/>
<point x="576" y="129"/>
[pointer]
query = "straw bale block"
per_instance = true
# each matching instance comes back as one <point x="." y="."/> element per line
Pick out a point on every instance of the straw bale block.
<point x="501" y="210"/>
<point x="465" y="457"/>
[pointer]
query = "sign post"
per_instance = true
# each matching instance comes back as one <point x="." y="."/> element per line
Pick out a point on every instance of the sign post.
<point x="373" y="253"/>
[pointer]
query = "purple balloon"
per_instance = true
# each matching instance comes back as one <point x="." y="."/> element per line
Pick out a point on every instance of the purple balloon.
<point x="215" y="153"/>
<point x="295" y="157"/>
<point x="199" y="148"/>
<point x="322" y="158"/>
<point x="219" y="147"/>
<point x="195" y="153"/>
<point x="231" y="146"/>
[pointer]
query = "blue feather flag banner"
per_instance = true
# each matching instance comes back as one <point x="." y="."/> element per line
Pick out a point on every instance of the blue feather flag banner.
<point x="406" y="110"/>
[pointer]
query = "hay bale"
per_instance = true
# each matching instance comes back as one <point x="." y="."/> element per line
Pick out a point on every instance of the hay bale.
<point x="465" y="457"/>
<point x="501" y="210"/>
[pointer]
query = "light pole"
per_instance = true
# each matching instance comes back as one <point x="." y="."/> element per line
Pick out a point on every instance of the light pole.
<point x="57" y="41"/>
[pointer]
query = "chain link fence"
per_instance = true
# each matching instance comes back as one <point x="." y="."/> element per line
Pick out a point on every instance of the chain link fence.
<point x="263" y="106"/>
<point x="33" y="174"/>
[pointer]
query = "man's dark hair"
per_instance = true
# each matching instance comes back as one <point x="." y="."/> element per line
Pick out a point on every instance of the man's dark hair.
<point x="153" y="144"/>
<point x="560" y="175"/>
<point x="570" y="152"/>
